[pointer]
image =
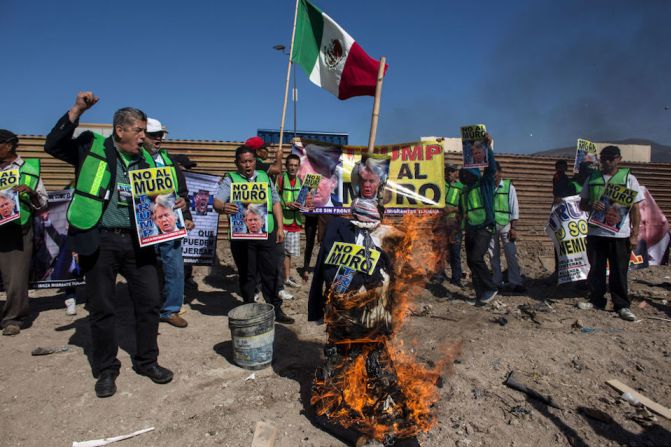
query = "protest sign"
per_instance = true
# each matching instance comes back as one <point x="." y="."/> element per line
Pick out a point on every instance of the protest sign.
<point x="585" y="152"/>
<point x="416" y="176"/>
<point x="9" y="199"/>
<point x="353" y="256"/>
<point x="617" y="201"/>
<point x="474" y="146"/>
<point x="53" y="264"/>
<point x="199" y="245"/>
<point x="310" y="184"/>
<point x="153" y="193"/>
<point x="567" y="228"/>
<point x="251" y="219"/>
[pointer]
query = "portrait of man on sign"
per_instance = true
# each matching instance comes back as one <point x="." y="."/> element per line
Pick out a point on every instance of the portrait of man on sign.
<point x="162" y="214"/>
<point x="327" y="162"/>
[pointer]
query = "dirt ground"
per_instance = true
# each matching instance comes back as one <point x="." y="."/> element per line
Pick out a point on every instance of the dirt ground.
<point x="49" y="400"/>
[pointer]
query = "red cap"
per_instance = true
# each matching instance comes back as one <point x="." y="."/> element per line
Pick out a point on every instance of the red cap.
<point x="255" y="143"/>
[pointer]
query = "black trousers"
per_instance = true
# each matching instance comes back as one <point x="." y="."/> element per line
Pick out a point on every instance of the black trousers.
<point x="258" y="259"/>
<point x="477" y="244"/>
<point x="615" y="251"/>
<point x="120" y="253"/>
<point x="311" y="222"/>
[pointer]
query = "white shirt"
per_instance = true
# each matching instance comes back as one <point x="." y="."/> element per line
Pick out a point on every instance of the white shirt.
<point x="625" y="229"/>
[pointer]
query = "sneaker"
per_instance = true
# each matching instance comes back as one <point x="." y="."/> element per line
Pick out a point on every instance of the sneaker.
<point x="11" y="329"/>
<point x="292" y="283"/>
<point x="258" y="298"/>
<point x="175" y="320"/>
<point x="585" y="305"/>
<point x="488" y="296"/>
<point x="626" y="314"/>
<point x="285" y="295"/>
<point x="281" y="317"/>
<point x="71" y="306"/>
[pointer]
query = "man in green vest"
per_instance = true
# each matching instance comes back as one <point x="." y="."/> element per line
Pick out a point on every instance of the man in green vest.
<point x="255" y="258"/>
<point x="477" y="209"/>
<point x="16" y="236"/>
<point x="288" y="187"/>
<point x="170" y="252"/>
<point x="506" y="215"/>
<point x="605" y="247"/>
<point x="102" y="232"/>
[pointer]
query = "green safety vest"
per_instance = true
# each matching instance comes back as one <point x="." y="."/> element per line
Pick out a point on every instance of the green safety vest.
<point x="290" y="194"/>
<point x="261" y="176"/>
<point x="597" y="185"/>
<point x="473" y="207"/>
<point x="502" y="203"/>
<point x="167" y="162"/>
<point x="577" y="186"/>
<point x="29" y="176"/>
<point x="453" y="192"/>
<point x="93" y="182"/>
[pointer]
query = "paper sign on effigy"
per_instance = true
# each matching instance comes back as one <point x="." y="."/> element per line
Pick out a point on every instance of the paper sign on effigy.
<point x="153" y="193"/>
<point x="9" y="199"/>
<point x="251" y="219"/>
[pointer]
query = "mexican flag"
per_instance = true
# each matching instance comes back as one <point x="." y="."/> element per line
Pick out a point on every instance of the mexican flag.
<point x="330" y="56"/>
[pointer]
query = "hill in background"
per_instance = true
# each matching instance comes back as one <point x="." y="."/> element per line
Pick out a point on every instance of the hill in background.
<point x="659" y="152"/>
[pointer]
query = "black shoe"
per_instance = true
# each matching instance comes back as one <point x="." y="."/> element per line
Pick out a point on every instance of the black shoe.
<point x="156" y="373"/>
<point x="105" y="386"/>
<point x="281" y="317"/>
<point x="190" y="284"/>
<point x="456" y="283"/>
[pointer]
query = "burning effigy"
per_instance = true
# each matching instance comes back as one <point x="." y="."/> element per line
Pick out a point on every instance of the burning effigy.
<point x="369" y="391"/>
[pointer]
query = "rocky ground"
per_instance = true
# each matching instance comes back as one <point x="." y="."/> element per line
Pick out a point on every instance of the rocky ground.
<point x="551" y="345"/>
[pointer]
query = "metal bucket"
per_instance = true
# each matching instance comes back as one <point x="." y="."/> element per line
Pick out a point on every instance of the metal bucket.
<point x="253" y="332"/>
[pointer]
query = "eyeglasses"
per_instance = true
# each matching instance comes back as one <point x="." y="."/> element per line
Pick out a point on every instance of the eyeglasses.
<point x="154" y="135"/>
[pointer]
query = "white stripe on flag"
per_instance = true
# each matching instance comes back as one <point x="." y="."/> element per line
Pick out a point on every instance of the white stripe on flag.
<point x="327" y="75"/>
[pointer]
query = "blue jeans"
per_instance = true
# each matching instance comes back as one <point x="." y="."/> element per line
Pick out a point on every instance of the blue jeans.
<point x="454" y="251"/>
<point x="170" y="253"/>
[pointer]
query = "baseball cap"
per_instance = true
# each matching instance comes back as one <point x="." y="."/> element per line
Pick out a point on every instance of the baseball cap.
<point x="255" y="143"/>
<point x="155" y="126"/>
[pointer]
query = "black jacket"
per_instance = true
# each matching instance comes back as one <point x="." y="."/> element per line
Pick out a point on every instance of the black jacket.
<point x="338" y="230"/>
<point x="62" y="145"/>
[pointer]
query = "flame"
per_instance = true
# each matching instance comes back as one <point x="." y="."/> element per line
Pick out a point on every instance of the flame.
<point x="373" y="385"/>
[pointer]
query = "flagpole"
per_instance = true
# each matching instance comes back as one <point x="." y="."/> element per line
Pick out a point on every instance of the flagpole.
<point x="376" y="104"/>
<point x="286" y="86"/>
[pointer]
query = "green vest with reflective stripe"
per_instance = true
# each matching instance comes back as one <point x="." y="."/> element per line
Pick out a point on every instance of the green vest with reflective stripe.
<point x="261" y="176"/>
<point x="93" y="182"/>
<point x="453" y="192"/>
<point x="290" y="194"/>
<point x="168" y="163"/>
<point x="597" y="185"/>
<point x="473" y="207"/>
<point x="577" y="186"/>
<point x="502" y="203"/>
<point x="29" y="176"/>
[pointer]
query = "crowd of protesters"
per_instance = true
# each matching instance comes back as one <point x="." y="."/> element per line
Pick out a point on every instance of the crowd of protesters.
<point x="481" y="209"/>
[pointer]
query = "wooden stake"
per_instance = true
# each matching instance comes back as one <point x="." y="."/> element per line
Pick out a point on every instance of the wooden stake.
<point x="650" y="404"/>
<point x="376" y="104"/>
<point x="286" y="86"/>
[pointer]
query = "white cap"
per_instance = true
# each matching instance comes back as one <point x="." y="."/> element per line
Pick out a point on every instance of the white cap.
<point x="154" y="126"/>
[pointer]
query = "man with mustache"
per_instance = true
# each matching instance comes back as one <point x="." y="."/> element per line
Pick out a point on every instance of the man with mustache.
<point x="101" y="231"/>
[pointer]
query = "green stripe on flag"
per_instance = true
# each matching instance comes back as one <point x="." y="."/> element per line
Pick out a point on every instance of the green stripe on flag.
<point x="309" y="29"/>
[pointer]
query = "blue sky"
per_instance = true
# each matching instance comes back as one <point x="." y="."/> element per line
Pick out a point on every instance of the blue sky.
<point x="538" y="73"/>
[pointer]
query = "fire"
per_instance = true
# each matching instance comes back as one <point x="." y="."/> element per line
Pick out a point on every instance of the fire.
<point x="370" y="383"/>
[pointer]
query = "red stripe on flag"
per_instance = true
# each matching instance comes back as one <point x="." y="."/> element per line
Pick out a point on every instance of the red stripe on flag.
<point x="359" y="76"/>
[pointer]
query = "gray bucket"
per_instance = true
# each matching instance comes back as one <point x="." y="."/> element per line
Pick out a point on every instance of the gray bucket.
<point x="253" y="332"/>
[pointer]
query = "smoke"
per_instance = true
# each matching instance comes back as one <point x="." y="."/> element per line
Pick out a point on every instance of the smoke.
<point x="551" y="72"/>
<point x="601" y="74"/>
